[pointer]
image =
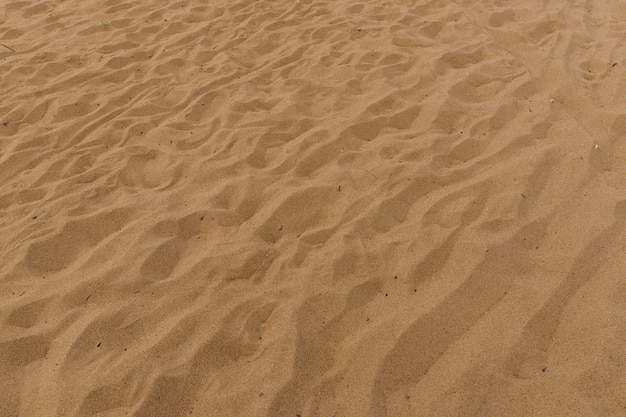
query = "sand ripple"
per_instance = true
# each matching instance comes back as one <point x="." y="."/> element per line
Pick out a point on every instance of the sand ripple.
<point x="298" y="208"/>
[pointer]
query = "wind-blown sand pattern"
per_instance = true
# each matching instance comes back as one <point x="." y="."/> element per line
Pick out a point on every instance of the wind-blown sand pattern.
<point x="300" y="208"/>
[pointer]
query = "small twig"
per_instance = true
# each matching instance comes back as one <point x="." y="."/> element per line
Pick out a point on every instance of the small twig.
<point x="8" y="47"/>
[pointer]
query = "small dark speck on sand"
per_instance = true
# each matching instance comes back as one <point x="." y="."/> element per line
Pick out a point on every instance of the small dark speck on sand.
<point x="201" y="218"/>
<point x="34" y="217"/>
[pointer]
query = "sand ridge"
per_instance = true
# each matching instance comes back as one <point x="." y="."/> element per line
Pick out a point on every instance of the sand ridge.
<point x="300" y="208"/>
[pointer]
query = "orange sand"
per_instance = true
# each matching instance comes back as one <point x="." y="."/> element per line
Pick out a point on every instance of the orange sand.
<point x="300" y="208"/>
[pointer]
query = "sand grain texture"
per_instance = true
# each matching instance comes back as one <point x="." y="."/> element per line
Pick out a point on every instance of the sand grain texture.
<point x="300" y="208"/>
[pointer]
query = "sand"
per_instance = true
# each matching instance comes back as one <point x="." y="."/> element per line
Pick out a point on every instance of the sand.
<point x="300" y="208"/>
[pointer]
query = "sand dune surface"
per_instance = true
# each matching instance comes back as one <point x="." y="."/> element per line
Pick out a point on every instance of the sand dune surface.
<point x="300" y="208"/>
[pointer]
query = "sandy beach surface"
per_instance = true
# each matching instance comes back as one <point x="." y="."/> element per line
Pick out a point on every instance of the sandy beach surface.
<point x="298" y="208"/>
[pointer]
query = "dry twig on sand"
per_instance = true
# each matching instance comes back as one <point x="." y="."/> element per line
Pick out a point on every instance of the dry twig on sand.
<point x="8" y="47"/>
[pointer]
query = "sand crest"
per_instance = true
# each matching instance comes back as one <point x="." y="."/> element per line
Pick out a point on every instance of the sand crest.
<point x="299" y="208"/>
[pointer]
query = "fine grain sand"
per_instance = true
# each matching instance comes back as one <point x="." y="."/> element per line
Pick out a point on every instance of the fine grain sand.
<point x="312" y="208"/>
